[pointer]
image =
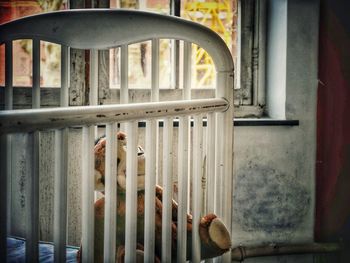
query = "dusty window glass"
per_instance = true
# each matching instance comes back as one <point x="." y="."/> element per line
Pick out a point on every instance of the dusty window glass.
<point x="220" y="16"/>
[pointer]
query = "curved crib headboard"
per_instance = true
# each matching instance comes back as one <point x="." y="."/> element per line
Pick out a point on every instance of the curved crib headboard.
<point x="102" y="29"/>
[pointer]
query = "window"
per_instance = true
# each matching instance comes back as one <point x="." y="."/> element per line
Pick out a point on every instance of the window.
<point x="242" y="26"/>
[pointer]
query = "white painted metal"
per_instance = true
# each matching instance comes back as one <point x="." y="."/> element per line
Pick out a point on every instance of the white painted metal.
<point x="131" y="193"/>
<point x="65" y="76"/>
<point x="32" y="199"/>
<point x="50" y="118"/>
<point x="60" y="194"/>
<point x="81" y="32"/>
<point x="8" y="76"/>
<point x="197" y="186"/>
<point x="183" y="177"/>
<point x="225" y="153"/>
<point x="32" y="187"/>
<point x="155" y="26"/>
<point x="61" y="168"/>
<point x="211" y="148"/>
<point x="184" y="157"/>
<point x="167" y="189"/>
<point x="150" y="184"/>
<point x="151" y="161"/>
<point x="3" y="197"/>
<point x="36" y="74"/>
<point x="124" y="61"/>
<point x="8" y="106"/>
<point x="110" y="193"/>
<point x="88" y="194"/>
<point x="187" y="68"/>
<point x="93" y="94"/>
<point x="155" y="70"/>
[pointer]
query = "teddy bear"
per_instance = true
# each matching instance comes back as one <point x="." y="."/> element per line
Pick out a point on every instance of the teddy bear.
<point x="214" y="236"/>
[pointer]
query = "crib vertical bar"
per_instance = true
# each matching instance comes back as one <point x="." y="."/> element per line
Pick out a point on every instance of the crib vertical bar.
<point x="5" y="168"/>
<point x="187" y="68"/>
<point x="183" y="176"/>
<point x="219" y="142"/>
<point x="88" y="194"/>
<point x="36" y="74"/>
<point x="124" y="95"/>
<point x="3" y="197"/>
<point x="211" y="123"/>
<point x="8" y="106"/>
<point x="225" y="133"/>
<point x="61" y="168"/>
<point x="150" y="184"/>
<point x="131" y="193"/>
<point x="197" y="186"/>
<point x="60" y="194"/>
<point x="110" y="193"/>
<point x="151" y="161"/>
<point x="93" y="77"/>
<point x="183" y="167"/>
<point x="8" y="76"/>
<point x="65" y="78"/>
<point x="155" y="70"/>
<point x="32" y="200"/>
<point x="167" y="189"/>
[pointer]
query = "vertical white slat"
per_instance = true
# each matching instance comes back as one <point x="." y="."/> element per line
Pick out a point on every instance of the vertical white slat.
<point x="32" y="199"/>
<point x="124" y="95"/>
<point x="8" y="106"/>
<point x="184" y="157"/>
<point x="187" y="69"/>
<point x="131" y="193"/>
<point x="167" y="189"/>
<point x="65" y="76"/>
<point x="124" y="69"/>
<point x="110" y="193"/>
<point x="211" y="124"/>
<point x="155" y="70"/>
<point x="32" y="191"/>
<point x="197" y="186"/>
<point x="183" y="177"/>
<point x="36" y="74"/>
<point x="3" y="197"/>
<point x="150" y="184"/>
<point x="151" y="161"/>
<point x="8" y="76"/>
<point x="93" y="95"/>
<point x="224" y="84"/>
<point x="60" y="195"/>
<point x="61" y="168"/>
<point x="219" y="142"/>
<point x="88" y="194"/>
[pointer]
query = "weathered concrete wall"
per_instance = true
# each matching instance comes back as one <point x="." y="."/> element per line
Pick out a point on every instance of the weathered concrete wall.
<point x="274" y="181"/>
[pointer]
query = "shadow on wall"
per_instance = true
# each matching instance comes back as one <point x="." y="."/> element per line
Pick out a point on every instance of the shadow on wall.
<point x="333" y="128"/>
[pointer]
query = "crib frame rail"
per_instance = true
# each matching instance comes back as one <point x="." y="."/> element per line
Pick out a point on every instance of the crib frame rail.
<point x="119" y="28"/>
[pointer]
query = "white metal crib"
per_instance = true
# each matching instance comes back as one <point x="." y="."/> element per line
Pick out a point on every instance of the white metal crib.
<point x="103" y="29"/>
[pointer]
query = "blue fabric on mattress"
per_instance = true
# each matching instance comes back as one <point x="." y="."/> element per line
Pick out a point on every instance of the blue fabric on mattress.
<point x="16" y="251"/>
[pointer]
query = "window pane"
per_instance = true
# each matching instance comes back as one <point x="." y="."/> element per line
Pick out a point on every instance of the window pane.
<point x="221" y="17"/>
<point x="50" y="64"/>
<point x="22" y="59"/>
